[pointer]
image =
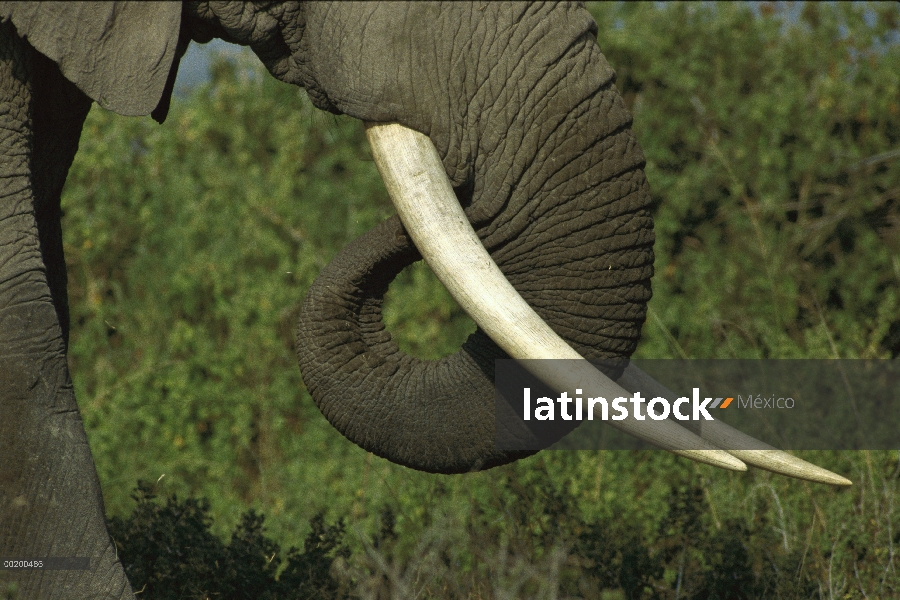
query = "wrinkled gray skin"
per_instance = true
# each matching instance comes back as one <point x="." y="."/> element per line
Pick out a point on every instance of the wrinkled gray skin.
<point x="521" y="106"/>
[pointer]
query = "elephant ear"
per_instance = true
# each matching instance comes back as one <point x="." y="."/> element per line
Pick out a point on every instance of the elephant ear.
<point x="120" y="54"/>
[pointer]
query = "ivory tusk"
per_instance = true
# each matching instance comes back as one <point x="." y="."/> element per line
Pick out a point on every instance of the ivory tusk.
<point x="721" y="434"/>
<point x="421" y="192"/>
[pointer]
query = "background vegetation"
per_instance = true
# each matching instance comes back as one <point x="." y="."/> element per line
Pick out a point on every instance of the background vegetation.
<point x="773" y="152"/>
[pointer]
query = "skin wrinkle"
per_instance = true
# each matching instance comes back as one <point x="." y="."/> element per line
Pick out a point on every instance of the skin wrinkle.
<point x="568" y="162"/>
<point x="568" y="245"/>
<point x="534" y="204"/>
<point x="543" y="224"/>
<point x="617" y="331"/>
<point x="484" y="88"/>
<point x="362" y="52"/>
<point x="551" y="66"/>
<point x="643" y="269"/>
<point x="611" y="305"/>
<point x="614" y="315"/>
<point x="411" y="421"/>
<point x="607" y="303"/>
<point x="571" y="162"/>
<point x="413" y="79"/>
<point x="497" y="101"/>
<point x="551" y="261"/>
<point x="631" y="180"/>
<point x="616" y="251"/>
<point x="458" y="157"/>
<point x="605" y="236"/>
<point x="458" y="62"/>
<point x="292" y="15"/>
<point x="550" y="303"/>
<point x="594" y="299"/>
<point x="536" y="285"/>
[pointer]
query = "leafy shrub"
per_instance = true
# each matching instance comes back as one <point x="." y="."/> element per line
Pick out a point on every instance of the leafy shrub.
<point x="771" y="145"/>
<point x="169" y="552"/>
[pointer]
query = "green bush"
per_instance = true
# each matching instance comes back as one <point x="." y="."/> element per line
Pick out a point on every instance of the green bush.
<point x="771" y="154"/>
<point x="168" y="552"/>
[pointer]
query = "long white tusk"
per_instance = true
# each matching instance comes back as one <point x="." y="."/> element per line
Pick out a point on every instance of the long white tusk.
<point x="415" y="179"/>
<point x="721" y="434"/>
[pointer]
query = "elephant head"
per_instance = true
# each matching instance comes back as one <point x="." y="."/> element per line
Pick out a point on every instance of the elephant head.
<point x="539" y="180"/>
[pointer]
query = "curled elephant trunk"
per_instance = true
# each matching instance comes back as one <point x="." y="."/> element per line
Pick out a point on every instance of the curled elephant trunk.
<point x="434" y="416"/>
<point x="430" y="425"/>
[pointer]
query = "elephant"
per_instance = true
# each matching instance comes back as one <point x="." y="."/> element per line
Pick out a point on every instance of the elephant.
<point x="505" y="114"/>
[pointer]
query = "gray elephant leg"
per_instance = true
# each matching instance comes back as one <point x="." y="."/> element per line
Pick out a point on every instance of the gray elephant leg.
<point x="50" y="501"/>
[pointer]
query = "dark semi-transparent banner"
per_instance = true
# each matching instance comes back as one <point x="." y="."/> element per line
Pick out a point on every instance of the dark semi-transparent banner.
<point x="786" y="404"/>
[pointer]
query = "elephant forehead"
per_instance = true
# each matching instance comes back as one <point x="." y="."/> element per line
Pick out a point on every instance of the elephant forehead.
<point x="458" y="72"/>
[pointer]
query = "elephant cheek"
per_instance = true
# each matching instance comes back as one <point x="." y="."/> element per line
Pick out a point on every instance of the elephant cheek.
<point x="562" y="203"/>
<point x="586" y="268"/>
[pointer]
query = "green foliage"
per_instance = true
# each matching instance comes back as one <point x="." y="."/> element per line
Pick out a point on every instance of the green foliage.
<point x="772" y="156"/>
<point x="771" y="153"/>
<point x="692" y="557"/>
<point x="423" y="316"/>
<point x="168" y="552"/>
